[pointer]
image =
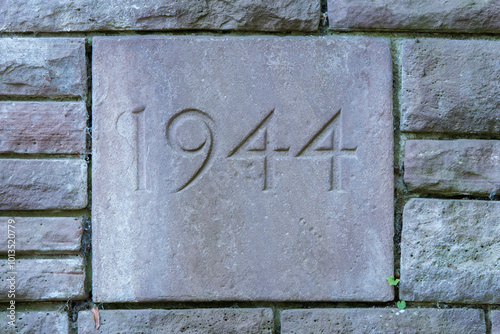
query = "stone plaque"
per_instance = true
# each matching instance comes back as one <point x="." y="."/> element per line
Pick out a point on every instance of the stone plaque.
<point x="242" y="168"/>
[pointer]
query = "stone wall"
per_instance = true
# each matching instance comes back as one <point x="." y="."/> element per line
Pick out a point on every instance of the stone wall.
<point x="412" y="89"/>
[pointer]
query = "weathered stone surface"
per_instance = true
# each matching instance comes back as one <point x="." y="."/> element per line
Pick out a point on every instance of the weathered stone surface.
<point x="39" y="184"/>
<point x="179" y="321"/>
<point x="450" y="251"/>
<point x="43" y="279"/>
<point x="43" y="127"/>
<point x="43" y="234"/>
<point x="224" y="187"/>
<point x="412" y="320"/>
<point x="89" y="15"/>
<point x="43" y="322"/>
<point x="453" y="167"/>
<point x="424" y="15"/>
<point x="41" y="66"/>
<point x="495" y="322"/>
<point x="450" y="86"/>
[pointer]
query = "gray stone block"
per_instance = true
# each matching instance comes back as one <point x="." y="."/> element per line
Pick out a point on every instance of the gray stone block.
<point x="424" y="15"/>
<point x="450" y="86"/>
<point x="495" y="322"/>
<point x="383" y="321"/>
<point x="43" y="279"/>
<point x="43" y="184"/>
<point x="55" y="235"/>
<point x="89" y="15"/>
<point x="249" y="172"/>
<point x="43" y="127"/>
<point x="209" y="321"/>
<point x="450" y="251"/>
<point x="39" y="322"/>
<point x="453" y="167"/>
<point x="42" y="66"/>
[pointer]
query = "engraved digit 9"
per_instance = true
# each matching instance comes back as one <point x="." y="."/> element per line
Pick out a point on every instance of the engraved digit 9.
<point x="190" y="134"/>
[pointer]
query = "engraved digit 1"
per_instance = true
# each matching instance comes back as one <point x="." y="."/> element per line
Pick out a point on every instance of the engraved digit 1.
<point x="140" y="143"/>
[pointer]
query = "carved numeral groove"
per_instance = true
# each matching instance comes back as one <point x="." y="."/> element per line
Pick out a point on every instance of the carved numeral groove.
<point x="140" y="148"/>
<point x="327" y="142"/>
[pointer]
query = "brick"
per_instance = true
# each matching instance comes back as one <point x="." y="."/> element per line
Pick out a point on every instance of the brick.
<point x="225" y="179"/>
<point x="42" y="184"/>
<point x="88" y="15"/>
<point x="450" y="251"/>
<point x="450" y="86"/>
<point x="55" y="235"/>
<point x="44" y="279"/>
<point x="495" y="322"/>
<point x="453" y="167"/>
<point x="43" y="322"/>
<point x="43" y="127"/>
<point x="210" y="321"/>
<point x="424" y="15"/>
<point x="384" y="320"/>
<point x="50" y="67"/>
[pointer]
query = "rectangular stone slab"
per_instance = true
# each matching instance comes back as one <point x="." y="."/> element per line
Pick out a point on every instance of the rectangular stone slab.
<point x="383" y="320"/>
<point x="450" y="86"/>
<point x="43" y="279"/>
<point x="43" y="184"/>
<point x="54" y="322"/>
<point x="453" y="167"/>
<point x="423" y="15"/>
<point x="54" y="235"/>
<point x="50" y="67"/>
<point x="495" y="322"/>
<point x="223" y="320"/>
<point x="248" y="168"/>
<point x="43" y="127"/>
<point x="119" y="15"/>
<point x="450" y="251"/>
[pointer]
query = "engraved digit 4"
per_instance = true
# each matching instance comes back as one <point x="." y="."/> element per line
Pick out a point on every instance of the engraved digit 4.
<point x="255" y="144"/>
<point x="190" y="134"/>
<point x="327" y="143"/>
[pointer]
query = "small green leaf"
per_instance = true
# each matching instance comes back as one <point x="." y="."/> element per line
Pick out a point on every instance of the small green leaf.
<point x="392" y="281"/>
<point x="401" y="305"/>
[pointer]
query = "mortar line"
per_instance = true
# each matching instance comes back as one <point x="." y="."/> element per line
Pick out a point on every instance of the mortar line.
<point x="39" y="98"/>
<point x="406" y="34"/>
<point x="488" y="321"/>
<point x="277" y="320"/>
<point x="282" y="306"/>
<point x="399" y="189"/>
<point x="86" y="244"/>
<point x="43" y="213"/>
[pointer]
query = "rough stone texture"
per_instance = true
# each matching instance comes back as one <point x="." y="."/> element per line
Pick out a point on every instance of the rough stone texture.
<point x="61" y="235"/>
<point x="223" y="187"/>
<point x="41" y="66"/>
<point x="89" y="15"/>
<point x="206" y="321"/>
<point x="495" y="322"/>
<point x="450" y="86"/>
<point x="424" y="15"/>
<point x="44" y="279"/>
<point x="42" y="184"/>
<point x="43" y="127"/>
<point x="450" y="251"/>
<point x="453" y="167"/>
<point x="39" y="322"/>
<point x="383" y="321"/>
